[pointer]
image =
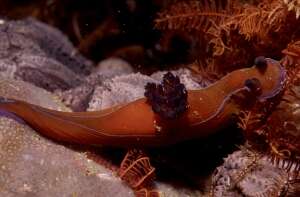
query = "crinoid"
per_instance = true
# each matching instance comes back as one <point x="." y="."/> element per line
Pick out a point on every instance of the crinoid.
<point x="201" y="19"/>
<point x="193" y="15"/>
<point x="138" y="173"/>
<point x="293" y="5"/>
<point x="292" y="54"/>
<point x="214" y="18"/>
<point x="220" y="32"/>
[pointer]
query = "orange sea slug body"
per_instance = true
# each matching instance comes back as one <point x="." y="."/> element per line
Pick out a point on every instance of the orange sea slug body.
<point x="135" y="123"/>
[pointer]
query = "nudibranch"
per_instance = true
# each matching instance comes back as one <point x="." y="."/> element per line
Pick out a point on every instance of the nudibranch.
<point x="135" y="124"/>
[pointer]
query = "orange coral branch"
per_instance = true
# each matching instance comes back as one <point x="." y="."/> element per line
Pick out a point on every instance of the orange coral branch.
<point x="136" y="169"/>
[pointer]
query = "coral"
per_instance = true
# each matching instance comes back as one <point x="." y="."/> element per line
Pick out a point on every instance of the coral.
<point x="136" y="169"/>
<point x="144" y="192"/>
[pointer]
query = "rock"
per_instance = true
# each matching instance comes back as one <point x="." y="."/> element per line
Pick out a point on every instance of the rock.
<point x="27" y="92"/>
<point x="126" y="88"/>
<point x="47" y="73"/>
<point x="112" y="67"/>
<point x="40" y="54"/>
<point x="78" y="98"/>
<point x="111" y="79"/>
<point x="120" y="89"/>
<point x="185" y="77"/>
<point x="33" y="37"/>
<point x="31" y="165"/>
<point x="243" y="174"/>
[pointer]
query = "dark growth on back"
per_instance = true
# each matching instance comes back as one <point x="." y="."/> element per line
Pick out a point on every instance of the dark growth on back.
<point x="168" y="99"/>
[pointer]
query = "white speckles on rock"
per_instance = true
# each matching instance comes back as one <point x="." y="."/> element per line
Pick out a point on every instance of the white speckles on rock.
<point x="27" y="157"/>
<point x="126" y="88"/>
<point x="121" y="89"/>
<point x="26" y="188"/>
<point x="29" y="93"/>
<point x="40" y="54"/>
<point x="112" y="67"/>
<point x="263" y="179"/>
<point x="184" y="76"/>
<point x="31" y="165"/>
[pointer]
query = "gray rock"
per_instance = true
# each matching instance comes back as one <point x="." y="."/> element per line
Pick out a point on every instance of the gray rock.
<point x="25" y="91"/>
<point x="121" y="89"/>
<point x="185" y="77"/>
<point x="112" y="67"/>
<point x="54" y="76"/>
<point x="78" y="98"/>
<point x="245" y="174"/>
<point x="40" y="54"/>
<point x="33" y="37"/>
<point x="126" y="88"/>
<point x="31" y="165"/>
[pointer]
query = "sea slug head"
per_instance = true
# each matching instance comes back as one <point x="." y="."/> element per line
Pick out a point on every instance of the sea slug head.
<point x="272" y="77"/>
<point x="272" y="127"/>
